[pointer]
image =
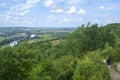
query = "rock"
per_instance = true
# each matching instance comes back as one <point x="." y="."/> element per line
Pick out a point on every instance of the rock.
<point x="118" y="67"/>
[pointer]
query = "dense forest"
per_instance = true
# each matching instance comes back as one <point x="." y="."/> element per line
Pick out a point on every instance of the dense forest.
<point x="76" y="56"/>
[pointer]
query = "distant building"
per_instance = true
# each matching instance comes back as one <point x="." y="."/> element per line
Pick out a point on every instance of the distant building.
<point x="32" y="36"/>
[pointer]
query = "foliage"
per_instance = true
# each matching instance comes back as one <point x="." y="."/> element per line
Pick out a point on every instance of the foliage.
<point x="91" y="68"/>
<point x="16" y="63"/>
<point x="77" y="56"/>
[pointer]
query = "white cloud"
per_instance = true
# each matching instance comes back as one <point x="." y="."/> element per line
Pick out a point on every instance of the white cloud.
<point x="101" y="7"/>
<point x="59" y="10"/>
<point x="15" y="18"/>
<point x="27" y="21"/>
<point x="7" y="17"/>
<point x="49" y="3"/>
<point x="81" y="11"/>
<point x="72" y="10"/>
<point x="3" y="4"/>
<point x="81" y="19"/>
<point x="54" y="3"/>
<point x="74" y="1"/>
<point x="67" y="20"/>
<point x="51" y="17"/>
<point x="110" y="8"/>
<point x="23" y="8"/>
<point x="2" y="15"/>
<point x="34" y="19"/>
<point x="71" y="21"/>
<point x="23" y="13"/>
<point x="106" y="8"/>
<point x="27" y="5"/>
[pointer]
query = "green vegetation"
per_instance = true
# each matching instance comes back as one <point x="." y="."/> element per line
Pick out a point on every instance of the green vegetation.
<point x="10" y="34"/>
<point x="77" y="56"/>
<point x="1" y="39"/>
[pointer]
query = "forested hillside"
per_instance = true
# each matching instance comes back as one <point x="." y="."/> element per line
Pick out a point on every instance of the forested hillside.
<point x="77" y="56"/>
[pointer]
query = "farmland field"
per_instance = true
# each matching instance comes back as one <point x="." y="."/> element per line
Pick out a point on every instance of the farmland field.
<point x="21" y="34"/>
<point x="1" y="39"/>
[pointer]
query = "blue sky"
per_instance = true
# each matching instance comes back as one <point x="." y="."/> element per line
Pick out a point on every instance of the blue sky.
<point x="58" y="13"/>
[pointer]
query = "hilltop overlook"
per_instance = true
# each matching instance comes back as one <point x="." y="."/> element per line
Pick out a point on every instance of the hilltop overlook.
<point x="60" y="54"/>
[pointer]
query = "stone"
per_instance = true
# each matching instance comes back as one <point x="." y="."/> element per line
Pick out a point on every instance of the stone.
<point x="118" y="67"/>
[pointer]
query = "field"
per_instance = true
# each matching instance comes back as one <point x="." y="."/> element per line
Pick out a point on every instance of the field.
<point x="10" y="34"/>
<point x="1" y="39"/>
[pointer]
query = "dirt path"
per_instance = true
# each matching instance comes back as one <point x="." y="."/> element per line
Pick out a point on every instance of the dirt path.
<point x="114" y="74"/>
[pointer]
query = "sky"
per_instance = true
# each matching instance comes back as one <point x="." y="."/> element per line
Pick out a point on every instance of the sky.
<point x="58" y="13"/>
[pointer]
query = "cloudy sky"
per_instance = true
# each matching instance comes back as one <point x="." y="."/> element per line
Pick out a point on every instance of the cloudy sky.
<point x="58" y="13"/>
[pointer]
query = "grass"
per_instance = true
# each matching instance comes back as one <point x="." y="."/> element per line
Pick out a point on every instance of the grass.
<point x="56" y="42"/>
<point x="1" y="39"/>
<point x="45" y="37"/>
